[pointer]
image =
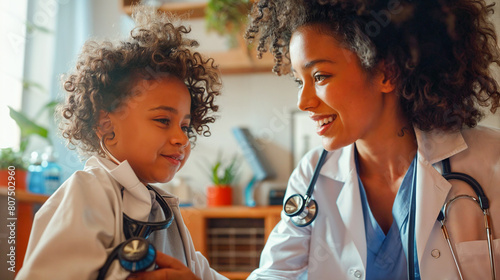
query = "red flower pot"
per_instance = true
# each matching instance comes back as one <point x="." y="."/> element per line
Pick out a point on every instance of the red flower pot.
<point x="221" y="195"/>
<point x="19" y="178"/>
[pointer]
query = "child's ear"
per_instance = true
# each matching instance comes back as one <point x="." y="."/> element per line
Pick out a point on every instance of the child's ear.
<point x="105" y="125"/>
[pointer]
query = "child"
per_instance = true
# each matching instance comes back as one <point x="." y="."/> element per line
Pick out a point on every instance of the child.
<point x="135" y="108"/>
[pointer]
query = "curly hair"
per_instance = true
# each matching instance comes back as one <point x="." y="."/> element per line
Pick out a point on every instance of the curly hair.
<point x="106" y="74"/>
<point x="436" y="53"/>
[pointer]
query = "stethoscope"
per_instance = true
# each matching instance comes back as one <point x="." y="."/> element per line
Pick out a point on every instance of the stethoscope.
<point x="302" y="211"/>
<point x="136" y="253"/>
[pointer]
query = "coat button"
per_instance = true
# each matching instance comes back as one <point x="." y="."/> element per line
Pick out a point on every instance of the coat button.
<point x="356" y="273"/>
<point x="435" y="253"/>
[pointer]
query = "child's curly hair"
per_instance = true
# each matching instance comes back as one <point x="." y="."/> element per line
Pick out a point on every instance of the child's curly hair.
<point x="106" y="74"/>
<point x="437" y="53"/>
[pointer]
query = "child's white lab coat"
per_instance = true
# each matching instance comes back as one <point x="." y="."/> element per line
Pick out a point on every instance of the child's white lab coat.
<point x="82" y="222"/>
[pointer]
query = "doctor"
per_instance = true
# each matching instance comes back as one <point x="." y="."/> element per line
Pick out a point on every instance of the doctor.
<point x="393" y="88"/>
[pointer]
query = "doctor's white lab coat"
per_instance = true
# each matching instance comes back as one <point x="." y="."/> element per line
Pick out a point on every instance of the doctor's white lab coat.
<point x="82" y="222"/>
<point x="334" y="245"/>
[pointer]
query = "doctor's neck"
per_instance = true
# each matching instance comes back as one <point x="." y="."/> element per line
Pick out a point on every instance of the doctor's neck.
<point x="389" y="155"/>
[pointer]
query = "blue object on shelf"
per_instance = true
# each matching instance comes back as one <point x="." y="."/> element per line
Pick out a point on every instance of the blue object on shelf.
<point x="51" y="171"/>
<point x="36" y="180"/>
<point x="255" y="158"/>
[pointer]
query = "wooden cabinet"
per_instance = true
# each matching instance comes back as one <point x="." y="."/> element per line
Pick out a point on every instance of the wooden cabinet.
<point x="25" y="203"/>
<point x="231" y="238"/>
<point x="233" y="61"/>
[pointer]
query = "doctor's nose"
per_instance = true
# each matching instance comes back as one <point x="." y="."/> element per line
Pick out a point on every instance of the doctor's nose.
<point x="307" y="98"/>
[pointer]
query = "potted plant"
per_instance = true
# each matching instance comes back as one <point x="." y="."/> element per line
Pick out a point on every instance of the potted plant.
<point x="220" y="193"/>
<point x="227" y="17"/>
<point x="13" y="160"/>
<point x="12" y="165"/>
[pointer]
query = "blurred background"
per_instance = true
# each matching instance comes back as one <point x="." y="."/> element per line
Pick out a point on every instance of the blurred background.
<point x="42" y="39"/>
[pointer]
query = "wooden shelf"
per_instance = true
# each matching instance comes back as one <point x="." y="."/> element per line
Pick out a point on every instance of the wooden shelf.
<point x="193" y="9"/>
<point x="25" y="196"/>
<point x="235" y="61"/>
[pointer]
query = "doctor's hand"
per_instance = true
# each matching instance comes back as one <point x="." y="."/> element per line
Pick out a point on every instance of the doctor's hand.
<point x="169" y="268"/>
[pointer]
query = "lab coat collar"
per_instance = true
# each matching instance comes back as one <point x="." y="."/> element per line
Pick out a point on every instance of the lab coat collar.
<point x="338" y="166"/>
<point x="136" y="197"/>
<point x="436" y="145"/>
<point x="433" y="146"/>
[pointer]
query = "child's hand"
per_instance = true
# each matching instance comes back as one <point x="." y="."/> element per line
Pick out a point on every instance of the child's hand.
<point x="169" y="268"/>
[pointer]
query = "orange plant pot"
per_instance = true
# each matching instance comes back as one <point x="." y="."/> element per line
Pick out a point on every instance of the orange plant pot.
<point x="219" y="196"/>
<point x="19" y="178"/>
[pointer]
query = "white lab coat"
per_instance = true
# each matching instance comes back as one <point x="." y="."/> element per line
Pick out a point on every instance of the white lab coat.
<point x="334" y="245"/>
<point x="80" y="224"/>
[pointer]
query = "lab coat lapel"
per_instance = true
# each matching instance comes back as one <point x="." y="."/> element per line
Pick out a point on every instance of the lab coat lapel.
<point x="349" y="202"/>
<point x="136" y="197"/>
<point x="432" y="188"/>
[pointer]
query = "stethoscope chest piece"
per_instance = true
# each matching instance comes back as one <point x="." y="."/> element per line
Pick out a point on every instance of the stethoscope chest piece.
<point x="302" y="211"/>
<point x="136" y="254"/>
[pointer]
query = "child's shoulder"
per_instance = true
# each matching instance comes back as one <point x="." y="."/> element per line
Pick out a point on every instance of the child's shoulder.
<point x="93" y="179"/>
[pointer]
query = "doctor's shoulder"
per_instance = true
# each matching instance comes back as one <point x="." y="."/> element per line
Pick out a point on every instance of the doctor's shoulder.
<point x="483" y="142"/>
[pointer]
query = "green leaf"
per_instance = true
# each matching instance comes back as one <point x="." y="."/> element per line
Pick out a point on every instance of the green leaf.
<point x="31" y="27"/>
<point x="27" y="126"/>
<point x="27" y="84"/>
<point x="8" y="157"/>
<point x="49" y="106"/>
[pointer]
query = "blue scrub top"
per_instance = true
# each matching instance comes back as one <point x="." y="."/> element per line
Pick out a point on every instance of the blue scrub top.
<point x="386" y="254"/>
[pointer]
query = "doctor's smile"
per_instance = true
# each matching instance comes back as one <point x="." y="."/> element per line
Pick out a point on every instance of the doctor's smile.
<point x="323" y="123"/>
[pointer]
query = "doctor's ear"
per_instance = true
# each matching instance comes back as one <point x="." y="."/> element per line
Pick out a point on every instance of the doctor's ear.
<point x="383" y="76"/>
<point x="105" y="126"/>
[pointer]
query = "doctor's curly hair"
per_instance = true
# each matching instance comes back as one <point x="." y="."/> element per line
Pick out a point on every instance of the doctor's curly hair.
<point x="108" y="73"/>
<point x="436" y="53"/>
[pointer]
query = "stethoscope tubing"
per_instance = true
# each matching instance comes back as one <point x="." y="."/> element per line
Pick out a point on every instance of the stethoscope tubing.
<point x="315" y="176"/>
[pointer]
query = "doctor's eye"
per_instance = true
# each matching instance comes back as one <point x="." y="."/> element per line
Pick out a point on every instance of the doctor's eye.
<point x="319" y="78"/>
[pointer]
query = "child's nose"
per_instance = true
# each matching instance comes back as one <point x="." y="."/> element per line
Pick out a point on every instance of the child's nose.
<point x="180" y="138"/>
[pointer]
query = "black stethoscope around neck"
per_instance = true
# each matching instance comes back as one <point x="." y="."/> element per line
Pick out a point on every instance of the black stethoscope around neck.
<point x="303" y="210"/>
<point x="136" y="253"/>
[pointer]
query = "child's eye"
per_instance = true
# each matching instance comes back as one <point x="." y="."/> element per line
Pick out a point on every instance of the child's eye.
<point x="163" y="121"/>
<point x="187" y="129"/>
<point x="298" y="82"/>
